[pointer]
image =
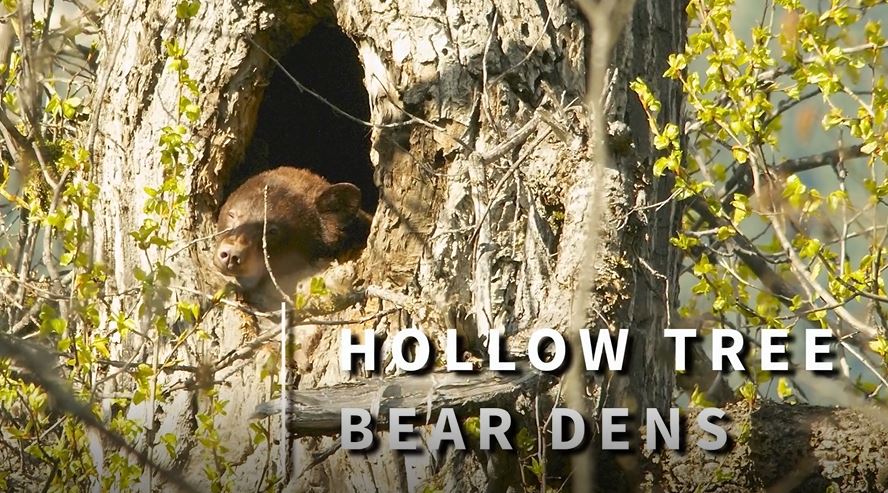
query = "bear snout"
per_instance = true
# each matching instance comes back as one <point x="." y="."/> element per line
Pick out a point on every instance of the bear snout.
<point x="231" y="255"/>
<point x="228" y="257"/>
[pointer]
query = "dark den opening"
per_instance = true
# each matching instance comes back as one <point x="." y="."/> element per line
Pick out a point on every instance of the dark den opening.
<point x="295" y="129"/>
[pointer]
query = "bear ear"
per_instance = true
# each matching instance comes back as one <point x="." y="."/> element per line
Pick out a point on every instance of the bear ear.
<point x="341" y="199"/>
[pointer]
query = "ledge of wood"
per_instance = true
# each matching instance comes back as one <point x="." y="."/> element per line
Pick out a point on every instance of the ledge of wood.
<point x="318" y="411"/>
<point x="773" y="447"/>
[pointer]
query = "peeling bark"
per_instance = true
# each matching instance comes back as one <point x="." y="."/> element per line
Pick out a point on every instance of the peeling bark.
<point x="781" y="448"/>
<point x="317" y="412"/>
<point x="476" y="246"/>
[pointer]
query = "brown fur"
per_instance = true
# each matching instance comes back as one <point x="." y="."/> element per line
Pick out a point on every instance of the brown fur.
<point x="309" y="222"/>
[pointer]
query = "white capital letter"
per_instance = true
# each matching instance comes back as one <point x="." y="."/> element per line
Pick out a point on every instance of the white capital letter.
<point x="655" y="424"/>
<point x="423" y="350"/>
<point x="558" y="429"/>
<point x="499" y="431"/>
<point x="770" y="348"/>
<point x="533" y="349"/>
<point x="452" y="433"/>
<point x="453" y="362"/>
<point x="494" y="341"/>
<point x="721" y="436"/>
<point x="397" y="429"/>
<point x="347" y="428"/>
<point x="680" y="336"/>
<point x="720" y="352"/>
<point x="609" y="428"/>
<point x="812" y="349"/>
<point x="347" y="349"/>
<point x="606" y="344"/>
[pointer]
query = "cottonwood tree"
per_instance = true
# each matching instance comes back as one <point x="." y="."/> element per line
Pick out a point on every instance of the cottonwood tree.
<point x="483" y="154"/>
<point x="522" y="185"/>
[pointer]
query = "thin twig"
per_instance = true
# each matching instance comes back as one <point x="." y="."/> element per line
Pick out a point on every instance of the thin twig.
<point x="41" y="373"/>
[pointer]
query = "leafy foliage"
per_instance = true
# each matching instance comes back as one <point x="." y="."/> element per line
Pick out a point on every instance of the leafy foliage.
<point x="53" y="286"/>
<point x="769" y="241"/>
<point x="772" y="241"/>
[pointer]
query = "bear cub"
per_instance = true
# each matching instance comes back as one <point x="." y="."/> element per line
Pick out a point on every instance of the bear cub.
<point x="309" y="223"/>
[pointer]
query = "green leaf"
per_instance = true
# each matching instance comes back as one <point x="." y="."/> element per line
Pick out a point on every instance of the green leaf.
<point x="784" y="388"/>
<point x="188" y="311"/>
<point x="472" y="426"/>
<point x="748" y="391"/>
<point x="187" y="9"/>
<point x="698" y="398"/>
<point x="869" y="147"/>
<point x="724" y="232"/>
<point x="677" y="63"/>
<point x="879" y="345"/>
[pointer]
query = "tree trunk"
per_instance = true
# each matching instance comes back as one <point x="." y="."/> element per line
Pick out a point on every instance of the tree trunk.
<point x="778" y="447"/>
<point x="471" y="245"/>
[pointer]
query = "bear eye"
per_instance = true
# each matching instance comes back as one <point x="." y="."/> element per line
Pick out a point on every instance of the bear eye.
<point x="272" y="230"/>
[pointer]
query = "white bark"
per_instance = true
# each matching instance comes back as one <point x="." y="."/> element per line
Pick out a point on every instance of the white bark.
<point x="444" y="63"/>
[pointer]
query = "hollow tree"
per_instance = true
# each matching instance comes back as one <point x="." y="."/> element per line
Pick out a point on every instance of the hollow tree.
<point x="483" y="155"/>
<point x="470" y="130"/>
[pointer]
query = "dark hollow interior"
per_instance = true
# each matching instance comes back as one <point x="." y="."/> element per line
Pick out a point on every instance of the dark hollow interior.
<point x="296" y="129"/>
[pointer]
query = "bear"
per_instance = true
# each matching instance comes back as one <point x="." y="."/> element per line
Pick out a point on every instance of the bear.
<point x="309" y="223"/>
